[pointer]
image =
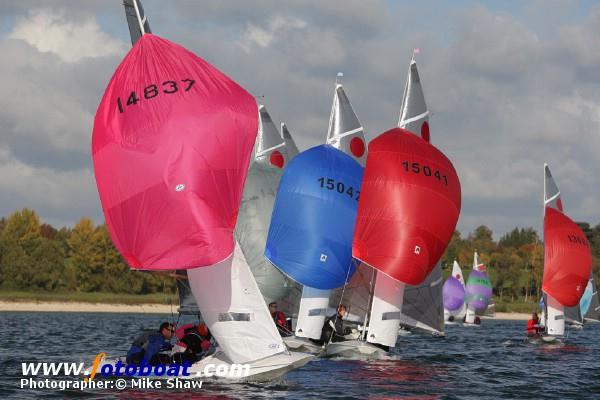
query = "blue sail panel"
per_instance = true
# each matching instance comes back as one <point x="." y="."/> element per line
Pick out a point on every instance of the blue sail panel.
<point x="310" y="237"/>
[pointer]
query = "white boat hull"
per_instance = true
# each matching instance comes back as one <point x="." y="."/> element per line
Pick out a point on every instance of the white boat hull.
<point x="357" y="349"/>
<point x="266" y="369"/>
<point x="302" y="345"/>
<point x="545" y="339"/>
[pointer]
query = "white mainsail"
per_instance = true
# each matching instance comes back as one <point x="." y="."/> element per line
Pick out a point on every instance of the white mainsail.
<point x="234" y="310"/>
<point x="414" y="115"/>
<point x="289" y="141"/>
<point x="271" y="155"/>
<point x="554" y="312"/>
<point x="345" y="130"/>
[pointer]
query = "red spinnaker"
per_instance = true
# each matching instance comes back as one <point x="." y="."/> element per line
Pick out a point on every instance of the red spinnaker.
<point x="171" y="146"/>
<point x="567" y="258"/>
<point x="408" y="208"/>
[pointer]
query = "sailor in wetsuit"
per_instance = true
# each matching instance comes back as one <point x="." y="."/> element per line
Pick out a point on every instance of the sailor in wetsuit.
<point x="279" y="319"/>
<point x="533" y="325"/>
<point x="148" y="346"/>
<point x="333" y="329"/>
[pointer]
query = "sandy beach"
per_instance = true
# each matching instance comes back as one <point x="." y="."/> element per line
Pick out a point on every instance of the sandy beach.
<point x="46" y="306"/>
<point x="512" y="316"/>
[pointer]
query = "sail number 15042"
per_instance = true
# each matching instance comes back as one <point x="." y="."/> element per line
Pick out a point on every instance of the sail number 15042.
<point x="418" y="168"/>
<point x="339" y="186"/>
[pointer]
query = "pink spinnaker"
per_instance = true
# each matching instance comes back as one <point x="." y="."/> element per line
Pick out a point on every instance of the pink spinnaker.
<point x="171" y="146"/>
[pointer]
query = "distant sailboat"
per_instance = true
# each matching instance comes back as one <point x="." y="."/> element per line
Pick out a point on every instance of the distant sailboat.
<point x="171" y="198"/>
<point x="590" y="308"/>
<point x="408" y="209"/>
<point x="454" y="296"/>
<point x="567" y="261"/>
<point x="478" y="291"/>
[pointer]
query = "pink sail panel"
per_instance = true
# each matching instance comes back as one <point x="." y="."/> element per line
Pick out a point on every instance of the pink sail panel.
<point x="408" y="208"/>
<point x="171" y="145"/>
<point x="567" y="258"/>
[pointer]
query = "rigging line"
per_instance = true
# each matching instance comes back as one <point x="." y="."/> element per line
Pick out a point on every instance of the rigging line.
<point x="339" y="304"/>
<point x="369" y="304"/>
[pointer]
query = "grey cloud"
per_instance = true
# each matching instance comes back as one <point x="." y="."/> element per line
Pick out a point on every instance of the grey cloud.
<point x="505" y="95"/>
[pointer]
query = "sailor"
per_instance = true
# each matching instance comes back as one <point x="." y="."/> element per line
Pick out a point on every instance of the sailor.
<point x="279" y="319"/>
<point x="533" y="325"/>
<point x="333" y="329"/>
<point x="194" y="343"/>
<point x="149" y="345"/>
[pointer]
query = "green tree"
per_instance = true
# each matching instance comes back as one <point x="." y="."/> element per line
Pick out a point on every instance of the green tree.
<point x="83" y="256"/>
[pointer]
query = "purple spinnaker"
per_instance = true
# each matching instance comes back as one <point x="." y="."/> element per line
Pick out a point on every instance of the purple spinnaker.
<point x="454" y="294"/>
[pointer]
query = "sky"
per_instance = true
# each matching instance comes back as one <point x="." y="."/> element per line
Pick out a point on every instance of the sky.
<point x="510" y="85"/>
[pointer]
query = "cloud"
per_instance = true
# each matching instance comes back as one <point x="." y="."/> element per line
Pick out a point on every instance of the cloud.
<point x="262" y="37"/>
<point x="71" y="41"/>
<point x="58" y="196"/>
<point x="509" y="88"/>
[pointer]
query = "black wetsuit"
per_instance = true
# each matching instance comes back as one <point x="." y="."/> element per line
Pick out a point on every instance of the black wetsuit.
<point x="194" y="352"/>
<point x="333" y="330"/>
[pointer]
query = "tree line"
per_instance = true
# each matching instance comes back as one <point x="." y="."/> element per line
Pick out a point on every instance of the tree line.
<point x="38" y="257"/>
<point x="35" y="256"/>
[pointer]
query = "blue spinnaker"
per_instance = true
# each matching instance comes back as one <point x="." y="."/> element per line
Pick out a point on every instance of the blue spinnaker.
<point x="310" y="237"/>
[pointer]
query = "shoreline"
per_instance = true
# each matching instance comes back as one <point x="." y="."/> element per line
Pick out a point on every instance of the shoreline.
<point x="67" y="306"/>
<point x="512" y="316"/>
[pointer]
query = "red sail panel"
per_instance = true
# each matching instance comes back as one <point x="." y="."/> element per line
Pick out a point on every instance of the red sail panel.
<point x="567" y="258"/>
<point x="171" y="145"/>
<point x="408" y="208"/>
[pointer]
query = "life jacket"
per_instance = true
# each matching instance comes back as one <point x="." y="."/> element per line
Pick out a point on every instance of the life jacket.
<point x="182" y="330"/>
<point x="531" y="326"/>
<point x="279" y="318"/>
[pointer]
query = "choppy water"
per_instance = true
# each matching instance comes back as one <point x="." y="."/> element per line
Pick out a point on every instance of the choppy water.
<point x="487" y="362"/>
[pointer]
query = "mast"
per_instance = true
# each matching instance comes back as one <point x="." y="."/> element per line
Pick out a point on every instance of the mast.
<point x="136" y="19"/>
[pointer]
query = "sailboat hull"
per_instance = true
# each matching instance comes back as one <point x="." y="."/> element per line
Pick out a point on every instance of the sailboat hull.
<point x="266" y="369"/>
<point x="302" y="345"/>
<point x="356" y="349"/>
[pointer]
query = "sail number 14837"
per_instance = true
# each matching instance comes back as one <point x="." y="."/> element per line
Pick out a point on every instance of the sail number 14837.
<point x="418" y="168"/>
<point x="151" y="91"/>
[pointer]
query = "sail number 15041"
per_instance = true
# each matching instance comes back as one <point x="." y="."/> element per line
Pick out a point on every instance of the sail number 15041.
<point x="418" y="168"/>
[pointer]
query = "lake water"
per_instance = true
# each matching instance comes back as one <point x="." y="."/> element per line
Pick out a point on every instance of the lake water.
<point x="486" y="362"/>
